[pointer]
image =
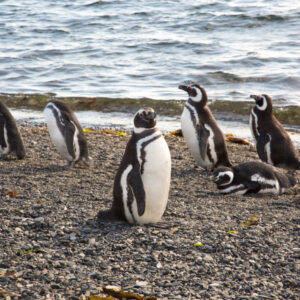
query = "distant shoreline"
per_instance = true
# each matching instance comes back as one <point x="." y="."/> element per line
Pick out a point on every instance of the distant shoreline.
<point x="223" y="109"/>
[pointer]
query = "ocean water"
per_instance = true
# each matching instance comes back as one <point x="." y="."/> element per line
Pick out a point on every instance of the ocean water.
<point x="145" y="49"/>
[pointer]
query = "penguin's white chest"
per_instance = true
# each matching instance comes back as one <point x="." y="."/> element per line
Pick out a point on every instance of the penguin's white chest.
<point x="5" y="150"/>
<point x="56" y="135"/>
<point x="191" y="136"/>
<point x="253" y="123"/>
<point x="155" y="160"/>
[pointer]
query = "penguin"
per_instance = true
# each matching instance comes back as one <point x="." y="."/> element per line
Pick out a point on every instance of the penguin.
<point x="252" y="177"/>
<point x="10" y="138"/>
<point x="204" y="137"/>
<point x="66" y="133"/>
<point x="141" y="185"/>
<point x="273" y="144"/>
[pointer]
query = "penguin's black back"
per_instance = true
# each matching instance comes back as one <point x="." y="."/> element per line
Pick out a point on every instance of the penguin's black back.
<point x="129" y="158"/>
<point x="116" y="213"/>
<point x="66" y="110"/>
<point x="246" y="170"/>
<point x="206" y="116"/>
<point x="283" y="152"/>
<point x="13" y="134"/>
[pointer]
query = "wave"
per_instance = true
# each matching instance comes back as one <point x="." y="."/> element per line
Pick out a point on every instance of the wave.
<point x="226" y="110"/>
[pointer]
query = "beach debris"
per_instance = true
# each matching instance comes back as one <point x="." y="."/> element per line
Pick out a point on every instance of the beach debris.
<point x="177" y="132"/>
<point x="12" y="193"/>
<point x="233" y="139"/>
<point x="88" y="130"/>
<point x="159" y="265"/>
<point x="116" y="292"/>
<point x="113" y="132"/>
<point x="98" y="297"/>
<point x="232" y="232"/>
<point x="87" y="101"/>
<point x="7" y="273"/>
<point x="198" y="244"/>
<point x="33" y="250"/>
<point x="106" y="131"/>
<point x="253" y="220"/>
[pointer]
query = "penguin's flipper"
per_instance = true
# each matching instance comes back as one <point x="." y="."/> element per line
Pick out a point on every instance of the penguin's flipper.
<point x="68" y="132"/>
<point x="262" y="140"/>
<point x="136" y="184"/>
<point x="203" y="135"/>
<point x="253" y="187"/>
<point x="2" y="138"/>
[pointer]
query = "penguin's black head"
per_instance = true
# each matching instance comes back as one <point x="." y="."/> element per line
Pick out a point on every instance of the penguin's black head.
<point x="263" y="102"/>
<point x="195" y="91"/>
<point x="222" y="176"/>
<point x="144" y="119"/>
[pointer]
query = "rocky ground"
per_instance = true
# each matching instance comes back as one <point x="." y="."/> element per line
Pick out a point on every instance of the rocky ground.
<point x="51" y="246"/>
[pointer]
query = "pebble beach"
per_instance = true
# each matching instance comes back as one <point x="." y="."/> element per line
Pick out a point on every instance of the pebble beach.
<point x="207" y="246"/>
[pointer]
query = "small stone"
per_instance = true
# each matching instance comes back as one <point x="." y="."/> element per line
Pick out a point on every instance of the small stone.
<point x="141" y="283"/>
<point x="92" y="241"/>
<point x="73" y="236"/>
<point x="208" y="258"/>
<point x="112" y="288"/>
<point x="39" y="220"/>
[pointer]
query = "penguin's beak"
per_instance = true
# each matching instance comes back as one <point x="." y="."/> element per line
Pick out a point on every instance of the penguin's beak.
<point x="184" y="87"/>
<point x="255" y="97"/>
<point x="188" y="89"/>
<point x="214" y="178"/>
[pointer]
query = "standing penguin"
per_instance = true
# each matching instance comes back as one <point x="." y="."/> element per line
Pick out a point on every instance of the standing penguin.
<point x="66" y="132"/>
<point x="141" y="185"/>
<point x="10" y="138"/>
<point x="252" y="177"/>
<point x="201" y="131"/>
<point x="273" y="143"/>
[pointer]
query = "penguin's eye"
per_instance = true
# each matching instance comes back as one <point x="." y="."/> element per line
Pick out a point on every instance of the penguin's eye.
<point x="192" y="91"/>
<point x="260" y="102"/>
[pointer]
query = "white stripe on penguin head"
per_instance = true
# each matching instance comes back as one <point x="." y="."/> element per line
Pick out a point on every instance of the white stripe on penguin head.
<point x="264" y="105"/>
<point x="229" y="174"/>
<point x="198" y="97"/>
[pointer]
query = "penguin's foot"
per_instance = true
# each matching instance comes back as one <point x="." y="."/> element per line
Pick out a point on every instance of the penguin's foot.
<point x="107" y="216"/>
<point x="3" y="156"/>
<point x="165" y="225"/>
<point x="69" y="165"/>
<point x="85" y="162"/>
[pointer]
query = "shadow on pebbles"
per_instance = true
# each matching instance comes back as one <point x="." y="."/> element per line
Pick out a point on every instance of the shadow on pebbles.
<point x="51" y="246"/>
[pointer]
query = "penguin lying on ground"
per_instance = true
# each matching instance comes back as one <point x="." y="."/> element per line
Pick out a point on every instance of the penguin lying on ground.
<point x="10" y="138"/>
<point x="201" y="131"/>
<point x="273" y="143"/>
<point x="66" y="132"/>
<point x="142" y="182"/>
<point x="252" y="177"/>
